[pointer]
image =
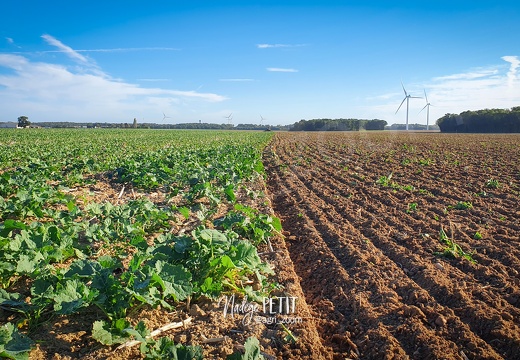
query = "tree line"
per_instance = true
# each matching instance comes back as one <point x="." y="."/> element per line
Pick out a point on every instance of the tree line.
<point x="135" y="125"/>
<point x="482" y="121"/>
<point x="338" y="125"/>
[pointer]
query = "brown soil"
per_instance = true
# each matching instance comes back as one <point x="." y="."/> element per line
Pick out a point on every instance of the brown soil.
<point x="370" y="263"/>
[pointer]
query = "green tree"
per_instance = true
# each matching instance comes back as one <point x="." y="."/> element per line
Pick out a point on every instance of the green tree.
<point x="23" y="121"/>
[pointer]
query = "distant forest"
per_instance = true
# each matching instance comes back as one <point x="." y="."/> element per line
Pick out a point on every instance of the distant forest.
<point x="482" y="121"/>
<point x="338" y="125"/>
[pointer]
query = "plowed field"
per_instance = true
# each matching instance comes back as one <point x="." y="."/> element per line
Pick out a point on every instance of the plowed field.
<point x="406" y="244"/>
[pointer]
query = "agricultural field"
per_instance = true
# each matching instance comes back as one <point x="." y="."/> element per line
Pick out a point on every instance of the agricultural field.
<point x="120" y="244"/>
<point x="146" y="244"/>
<point x="407" y="245"/>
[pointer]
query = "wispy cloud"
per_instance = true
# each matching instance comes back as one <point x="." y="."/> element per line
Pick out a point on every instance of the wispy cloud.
<point x="65" y="49"/>
<point x="471" y="75"/>
<point x="515" y="64"/>
<point x="272" y="69"/>
<point x="117" y="50"/>
<point x="82" y="92"/>
<point x="271" y="46"/>
<point x="10" y="41"/>
<point x="236" y="80"/>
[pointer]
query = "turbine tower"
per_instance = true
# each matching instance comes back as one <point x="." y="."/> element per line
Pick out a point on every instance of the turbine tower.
<point x="427" y="107"/>
<point x="407" y="98"/>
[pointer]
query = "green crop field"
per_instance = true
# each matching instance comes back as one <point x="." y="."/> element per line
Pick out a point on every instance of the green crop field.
<point x="177" y="226"/>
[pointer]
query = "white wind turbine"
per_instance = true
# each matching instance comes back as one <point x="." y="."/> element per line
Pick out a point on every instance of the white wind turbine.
<point x="407" y="98"/>
<point x="165" y="117"/>
<point x="229" y="118"/>
<point x="261" y="120"/>
<point x="427" y="107"/>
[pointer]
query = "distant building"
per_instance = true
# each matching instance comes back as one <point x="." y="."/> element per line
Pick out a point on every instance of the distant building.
<point x="8" y="125"/>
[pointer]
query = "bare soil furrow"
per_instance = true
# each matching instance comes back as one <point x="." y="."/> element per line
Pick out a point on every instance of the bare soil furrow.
<point x="366" y="232"/>
<point x="423" y="245"/>
<point x="315" y="274"/>
<point x="390" y="291"/>
<point x="508" y="252"/>
<point x="361" y="268"/>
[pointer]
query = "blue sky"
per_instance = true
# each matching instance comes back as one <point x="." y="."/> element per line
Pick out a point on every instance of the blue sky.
<point x="280" y="60"/>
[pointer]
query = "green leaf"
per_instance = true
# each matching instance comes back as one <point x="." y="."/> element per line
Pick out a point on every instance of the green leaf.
<point x="26" y="264"/>
<point x="212" y="236"/>
<point x="226" y="262"/>
<point x="44" y="286"/>
<point x="83" y="268"/>
<point x="174" y="280"/>
<point x="137" y="261"/>
<point x="230" y="194"/>
<point x="165" y="348"/>
<point x="112" y="298"/>
<point x="71" y="297"/>
<point x="230" y="220"/>
<point x="140" y="332"/>
<point x="110" y="335"/>
<point x="246" y="255"/>
<point x="10" y="225"/>
<point x="109" y="262"/>
<point x="139" y="242"/>
<point x="182" y="244"/>
<point x="184" y="212"/>
<point x="251" y="351"/>
<point x="277" y="224"/>
<point x="14" y="345"/>
<point x="211" y="287"/>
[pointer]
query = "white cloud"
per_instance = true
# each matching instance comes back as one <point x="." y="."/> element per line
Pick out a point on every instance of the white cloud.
<point x="55" y="92"/>
<point x="515" y="63"/>
<point x="117" y="50"/>
<point x="281" y="70"/>
<point x="66" y="49"/>
<point x="475" y="74"/>
<point x="10" y="41"/>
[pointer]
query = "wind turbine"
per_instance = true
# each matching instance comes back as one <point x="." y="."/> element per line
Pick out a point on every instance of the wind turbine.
<point x="427" y="107"/>
<point x="229" y="118"/>
<point x="261" y="120"/>
<point x="407" y="98"/>
<point x="165" y="117"/>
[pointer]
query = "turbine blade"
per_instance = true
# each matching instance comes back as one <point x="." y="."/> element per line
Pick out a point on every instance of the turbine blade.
<point x="425" y="106"/>
<point x="401" y="104"/>
<point x="426" y="97"/>
<point x="405" y="93"/>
